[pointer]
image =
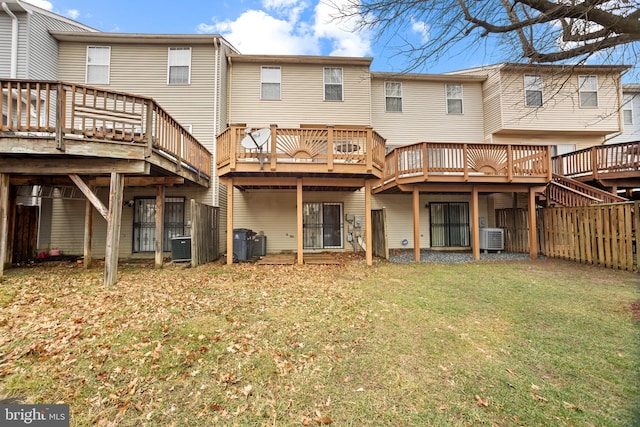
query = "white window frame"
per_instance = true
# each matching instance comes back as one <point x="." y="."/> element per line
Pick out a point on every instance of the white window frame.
<point x="266" y="81"/>
<point x="461" y="98"/>
<point x="582" y="80"/>
<point x="627" y="106"/>
<point x="388" y="97"/>
<point x="107" y="63"/>
<point x="172" y="61"/>
<point x="533" y="84"/>
<point x="326" y="84"/>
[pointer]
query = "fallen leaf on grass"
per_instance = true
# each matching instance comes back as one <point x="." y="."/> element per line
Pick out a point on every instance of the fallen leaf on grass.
<point x="323" y="420"/>
<point x="123" y="409"/>
<point x="482" y="402"/>
<point x="538" y="397"/>
<point x="570" y="406"/>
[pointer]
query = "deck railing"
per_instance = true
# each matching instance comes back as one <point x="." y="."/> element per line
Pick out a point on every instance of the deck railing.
<point x="569" y="192"/>
<point x="462" y="162"/>
<point x="329" y="146"/>
<point x="69" y="111"/>
<point x="597" y="160"/>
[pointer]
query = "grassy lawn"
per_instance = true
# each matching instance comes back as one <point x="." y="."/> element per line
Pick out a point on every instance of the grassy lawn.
<point x="516" y="343"/>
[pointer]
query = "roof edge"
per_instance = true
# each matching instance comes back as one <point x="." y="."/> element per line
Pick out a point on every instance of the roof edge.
<point x="429" y="77"/>
<point x="134" y="38"/>
<point x="300" y="59"/>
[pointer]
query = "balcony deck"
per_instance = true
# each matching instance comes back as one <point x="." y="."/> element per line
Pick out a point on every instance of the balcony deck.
<point x="449" y="164"/>
<point x="324" y="156"/>
<point x="57" y="128"/>
<point x="610" y="165"/>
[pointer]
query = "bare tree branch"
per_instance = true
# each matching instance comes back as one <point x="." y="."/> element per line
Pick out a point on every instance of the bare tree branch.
<point x="544" y="30"/>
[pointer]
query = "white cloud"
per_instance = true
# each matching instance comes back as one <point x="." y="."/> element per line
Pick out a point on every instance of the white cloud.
<point x="421" y="28"/>
<point x="256" y="32"/>
<point x="343" y="33"/>
<point x="73" y="13"/>
<point x="44" y="4"/>
<point x="291" y="27"/>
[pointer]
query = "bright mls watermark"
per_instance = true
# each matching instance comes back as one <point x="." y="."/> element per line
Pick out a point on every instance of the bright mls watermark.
<point x="34" y="415"/>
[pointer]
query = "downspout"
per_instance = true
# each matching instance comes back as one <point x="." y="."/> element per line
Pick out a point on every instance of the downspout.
<point x="14" y="40"/>
<point x="216" y="100"/>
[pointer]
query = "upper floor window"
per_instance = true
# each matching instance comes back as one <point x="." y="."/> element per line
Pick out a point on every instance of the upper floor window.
<point x="270" y="86"/>
<point x="454" y="98"/>
<point x="588" y="91"/>
<point x="333" y="84"/>
<point x="98" y="62"/>
<point x="393" y="96"/>
<point x="533" y="90"/>
<point x="627" y="109"/>
<point x="179" y="66"/>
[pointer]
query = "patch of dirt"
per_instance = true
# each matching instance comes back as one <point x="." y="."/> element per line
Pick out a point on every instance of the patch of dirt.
<point x="635" y="310"/>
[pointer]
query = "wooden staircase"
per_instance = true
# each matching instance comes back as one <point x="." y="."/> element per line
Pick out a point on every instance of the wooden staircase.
<point x="564" y="191"/>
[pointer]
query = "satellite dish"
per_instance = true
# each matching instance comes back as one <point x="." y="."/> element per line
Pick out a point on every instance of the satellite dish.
<point x="256" y="140"/>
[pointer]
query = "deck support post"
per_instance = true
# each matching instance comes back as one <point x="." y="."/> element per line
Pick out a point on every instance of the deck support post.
<point x="416" y="224"/>
<point x="299" y="220"/>
<point x="475" y="223"/>
<point x="230" y="221"/>
<point x="368" y="222"/>
<point x="114" y="220"/>
<point x="88" y="232"/>
<point x="159" y="244"/>
<point x="4" y="220"/>
<point x="533" y="226"/>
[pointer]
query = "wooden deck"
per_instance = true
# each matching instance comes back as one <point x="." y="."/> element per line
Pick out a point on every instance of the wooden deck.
<point x="57" y="133"/>
<point x="611" y="165"/>
<point x="57" y="128"/>
<point x="318" y="151"/>
<point x="460" y="163"/>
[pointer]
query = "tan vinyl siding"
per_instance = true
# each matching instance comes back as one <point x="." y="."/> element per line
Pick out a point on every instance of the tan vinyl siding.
<point x="301" y="96"/>
<point x="274" y="213"/>
<point x="553" y="138"/>
<point x="399" y="209"/>
<point x="561" y="109"/>
<point x="67" y="225"/>
<point x="424" y="113"/>
<point x="492" y="101"/>
<point x="141" y="69"/>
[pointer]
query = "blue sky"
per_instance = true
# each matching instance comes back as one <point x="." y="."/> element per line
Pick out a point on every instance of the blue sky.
<point x="286" y="27"/>
<point x="295" y="27"/>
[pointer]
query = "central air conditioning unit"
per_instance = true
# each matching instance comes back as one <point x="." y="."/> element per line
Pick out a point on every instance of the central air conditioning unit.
<point x="492" y="239"/>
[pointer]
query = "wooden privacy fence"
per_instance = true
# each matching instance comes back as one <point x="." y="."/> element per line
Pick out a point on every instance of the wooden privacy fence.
<point x="603" y="235"/>
<point x="515" y="224"/>
<point x="205" y="226"/>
